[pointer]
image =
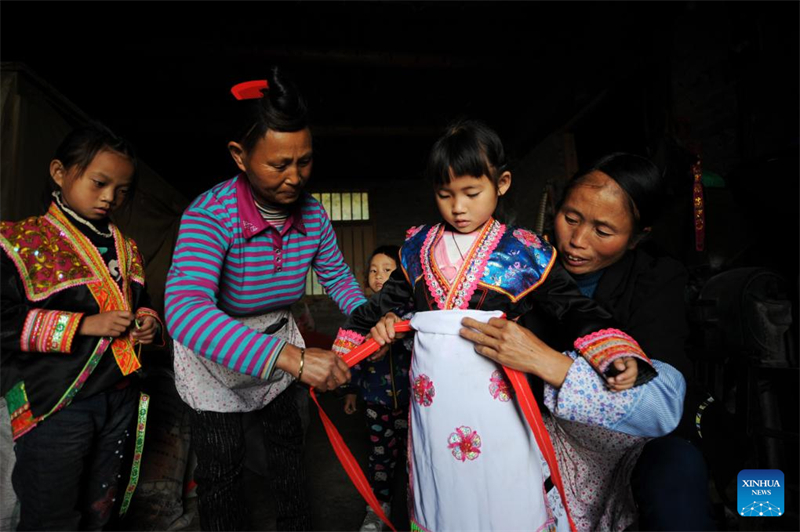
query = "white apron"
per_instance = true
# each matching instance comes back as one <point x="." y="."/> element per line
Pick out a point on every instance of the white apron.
<point x="206" y="385"/>
<point x="473" y="459"/>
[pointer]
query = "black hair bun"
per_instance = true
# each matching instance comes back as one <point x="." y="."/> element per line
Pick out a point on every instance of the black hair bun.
<point x="283" y="93"/>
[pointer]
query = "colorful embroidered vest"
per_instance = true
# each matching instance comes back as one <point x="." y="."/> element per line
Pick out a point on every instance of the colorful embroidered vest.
<point x="511" y="261"/>
<point x="51" y="255"/>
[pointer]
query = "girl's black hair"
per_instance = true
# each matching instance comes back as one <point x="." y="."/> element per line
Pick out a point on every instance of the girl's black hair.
<point x="393" y="252"/>
<point x="468" y="147"/>
<point x="81" y="146"/>
<point x="281" y="108"/>
<point x="639" y="177"/>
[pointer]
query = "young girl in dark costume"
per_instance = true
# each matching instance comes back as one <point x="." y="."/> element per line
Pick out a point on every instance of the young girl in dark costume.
<point x="383" y="384"/>
<point x="74" y="308"/>
<point x="473" y="463"/>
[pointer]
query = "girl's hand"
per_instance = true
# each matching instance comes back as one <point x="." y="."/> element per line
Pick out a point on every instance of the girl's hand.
<point x="147" y="332"/>
<point x="384" y="334"/>
<point x="112" y="323"/>
<point x="349" y="403"/>
<point x="629" y="370"/>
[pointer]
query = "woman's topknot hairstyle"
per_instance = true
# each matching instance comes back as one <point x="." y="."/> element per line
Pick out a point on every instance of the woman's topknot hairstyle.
<point x="638" y="176"/>
<point x="467" y="147"/>
<point x="281" y="108"/>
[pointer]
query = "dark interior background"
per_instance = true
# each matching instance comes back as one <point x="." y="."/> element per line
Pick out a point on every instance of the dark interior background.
<point x="562" y="82"/>
<point x="663" y="79"/>
<point x="384" y="77"/>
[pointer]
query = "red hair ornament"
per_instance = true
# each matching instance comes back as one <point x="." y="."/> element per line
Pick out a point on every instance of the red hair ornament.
<point x="249" y="90"/>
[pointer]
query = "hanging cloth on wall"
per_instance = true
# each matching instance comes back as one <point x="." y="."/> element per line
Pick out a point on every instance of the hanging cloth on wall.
<point x="698" y="203"/>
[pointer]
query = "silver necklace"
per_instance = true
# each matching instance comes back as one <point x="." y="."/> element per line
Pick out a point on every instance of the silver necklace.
<point x="456" y="243"/>
<point x="87" y="223"/>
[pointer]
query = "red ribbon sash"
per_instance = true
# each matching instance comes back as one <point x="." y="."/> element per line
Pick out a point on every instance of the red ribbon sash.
<point x="524" y="395"/>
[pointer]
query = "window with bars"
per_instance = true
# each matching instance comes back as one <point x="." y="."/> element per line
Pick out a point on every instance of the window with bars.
<point x="355" y="232"/>
<point x="345" y="206"/>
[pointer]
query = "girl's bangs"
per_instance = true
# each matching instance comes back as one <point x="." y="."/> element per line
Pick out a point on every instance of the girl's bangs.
<point x="458" y="157"/>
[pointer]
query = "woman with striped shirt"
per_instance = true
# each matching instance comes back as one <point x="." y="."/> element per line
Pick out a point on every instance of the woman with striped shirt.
<point x="241" y="259"/>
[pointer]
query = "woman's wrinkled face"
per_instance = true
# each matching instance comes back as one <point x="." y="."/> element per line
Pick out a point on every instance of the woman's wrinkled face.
<point x="278" y="167"/>
<point x="594" y="226"/>
<point x="380" y="268"/>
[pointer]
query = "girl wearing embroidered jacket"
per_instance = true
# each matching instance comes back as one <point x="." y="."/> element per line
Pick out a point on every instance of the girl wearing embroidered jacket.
<point x="382" y="385"/>
<point x="74" y="306"/>
<point x="474" y="262"/>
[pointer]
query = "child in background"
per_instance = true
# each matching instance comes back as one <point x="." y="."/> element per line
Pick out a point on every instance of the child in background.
<point x="383" y="385"/>
<point x="74" y="306"/>
<point x="462" y="476"/>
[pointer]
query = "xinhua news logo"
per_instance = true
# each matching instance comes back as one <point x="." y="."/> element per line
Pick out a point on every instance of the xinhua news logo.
<point x="760" y="493"/>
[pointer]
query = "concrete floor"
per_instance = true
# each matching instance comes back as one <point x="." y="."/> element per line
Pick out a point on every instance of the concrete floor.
<point x="335" y="503"/>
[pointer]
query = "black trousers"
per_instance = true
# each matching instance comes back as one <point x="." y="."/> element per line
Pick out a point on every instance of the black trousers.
<point x="670" y="485"/>
<point x="219" y="443"/>
<point x="68" y="468"/>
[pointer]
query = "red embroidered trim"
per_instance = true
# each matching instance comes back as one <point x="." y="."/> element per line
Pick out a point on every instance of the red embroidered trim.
<point x="434" y="287"/>
<point x="19" y="410"/>
<point x="104" y="289"/>
<point x="142" y="312"/>
<point x="698" y="203"/>
<point x="22" y="422"/>
<point x="413" y="231"/>
<point x="49" y="331"/>
<point x="346" y="341"/>
<point x="467" y="279"/>
<point x="72" y="331"/>
<point x="43" y="255"/>
<point x="478" y="259"/>
<point x="603" y="347"/>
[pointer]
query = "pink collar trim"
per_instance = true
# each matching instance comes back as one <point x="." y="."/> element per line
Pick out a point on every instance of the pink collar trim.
<point x="252" y="221"/>
<point x="456" y="294"/>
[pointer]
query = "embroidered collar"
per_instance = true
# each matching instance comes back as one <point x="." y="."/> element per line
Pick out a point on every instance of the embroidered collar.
<point x="252" y="221"/>
<point x="91" y="256"/>
<point x="457" y="295"/>
<point x="107" y="293"/>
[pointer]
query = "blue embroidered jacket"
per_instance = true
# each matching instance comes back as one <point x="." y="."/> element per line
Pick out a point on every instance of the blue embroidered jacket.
<point x="509" y="269"/>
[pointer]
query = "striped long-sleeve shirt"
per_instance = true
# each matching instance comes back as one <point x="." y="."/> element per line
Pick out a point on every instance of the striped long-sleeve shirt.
<point x="228" y="261"/>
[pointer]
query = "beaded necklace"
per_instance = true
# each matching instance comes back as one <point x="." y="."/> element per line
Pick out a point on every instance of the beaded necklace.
<point x="77" y="217"/>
